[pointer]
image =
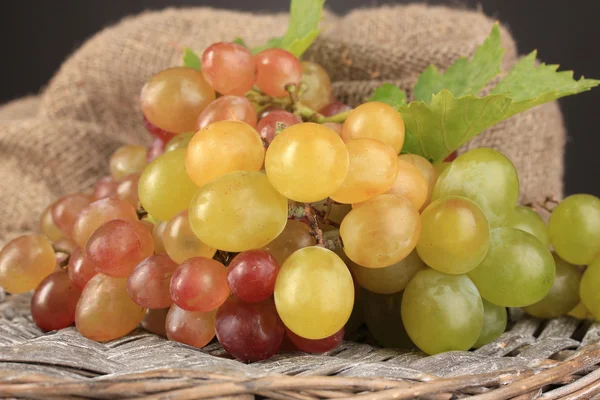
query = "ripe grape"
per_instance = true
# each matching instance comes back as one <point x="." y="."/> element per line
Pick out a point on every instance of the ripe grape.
<point x="334" y="108"/>
<point x="24" y="262"/>
<point x="517" y="271"/>
<point x="588" y="290"/>
<point x="105" y="311"/>
<point x="440" y="168"/>
<point x="375" y="120"/>
<point x="267" y="126"/>
<point x="442" y="312"/>
<point x="307" y="162"/>
<point x="486" y="177"/>
<point x="128" y="189"/>
<point x="237" y="212"/>
<point x="156" y="149"/>
<point x="181" y="243"/>
<point x="173" y="98"/>
<point x="180" y="141"/>
<point x="149" y="283"/>
<point x="296" y="235"/>
<point x="81" y="268"/>
<point x="157" y="235"/>
<point x="334" y="126"/>
<point x="372" y="171"/>
<point x="158" y="133"/>
<point x="383" y="316"/>
<point x="390" y="279"/>
<point x="314" y="293"/>
<point x="200" y="284"/>
<point x="229" y="68"/>
<point x="319" y="345"/>
<point x="54" y="301"/>
<point x="425" y="167"/>
<point x="574" y="228"/>
<point x="409" y="184"/>
<point x="580" y="311"/>
<point x="249" y="331"/>
<point x="494" y="324"/>
<point x="190" y="327"/>
<point x="64" y="245"/>
<point x="275" y="69"/>
<point x="155" y="321"/>
<point x="105" y="187"/>
<point x="66" y="210"/>
<point x="251" y="275"/>
<point x="223" y="147"/>
<point x="318" y="93"/>
<point x="165" y="187"/>
<point x="455" y="235"/>
<point x="118" y="246"/>
<point x="381" y="232"/>
<point x="564" y="294"/>
<point x="47" y="225"/>
<point x="526" y="219"/>
<point x="127" y="160"/>
<point x="228" y="108"/>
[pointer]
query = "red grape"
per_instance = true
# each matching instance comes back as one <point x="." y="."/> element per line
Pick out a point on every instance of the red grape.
<point x="105" y="187"/>
<point x="200" y="284"/>
<point x="127" y="190"/>
<point x="98" y="213"/>
<point x="81" y="268"/>
<point x="155" y="321"/>
<point x="66" y="210"/>
<point x="268" y="111"/>
<point x="228" y="108"/>
<point x="158" y="133"/>
<point x="229" y="68"/>
<point x="318" y="345"/>
<point x="190" y="327"/>
<point x="275" y="69"/>
<point x="54" y="302"/>
<point x="156" y="149"/>
<point x="267" y="126"/>
<point x="334" y="108"/>
<point x="148" y="285"/>
<point x="252" y="274"/>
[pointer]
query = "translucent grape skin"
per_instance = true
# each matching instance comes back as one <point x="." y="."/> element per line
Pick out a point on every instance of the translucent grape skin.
<point x="296" y="235"/>
<point x="455" y="235"/>
<point x="156" y="149"/>
<point x="200" y="284"/>
<point x="275" y="69"/>
<point x="588" y="289"/>
<point x="580" y="311"/>
<point x="81" y="268"/>
<point x="314" y="293"/>
<point x="494" y="324"/>
<point x="128" y="189"/>
<point x="267" y="126"/>
<point x="24" y="262"/>
<point x="98" y="213"/>
<point x="223" y="147"/>
<point x="179" y="240"/>
<point x="375" y="120"/>
<point x="220" y="215"/>
<point x="564" y="294"/>
<point x="127" y="160"/>
<point x="173" y="98"/>
<point x="307" y="162"/>
<point x="229" y="68"/>
<point x="155" y="321"/>
<point x="190" y="327"/>
<point x="442" y="312"/>
<point x="373" y="237"/>
<point x="526" y="219"/>
<point x="411" y="184"/>
<point x="66" y="210"/>
<point x="318" y="91"/>
<point x="574" y="228"/>
<point x="105" y="311"/>
<point x="228" y="108"/>
<point x="155" y="131"/>
<point x="118" y="246"/>
<point x="334" y="126"/>
<point x="180" y="141"/>
<point x="382" y="314"/>
<point x="249" y="331"/>
<point x="149" y="283"/>
<point x="47" y="225"/>
<point x="316" y="346"/>
<point x="517" y="271"/>
<point x="105" y="187"/>
<point x="54" y="301"/>
<point x="251" y="275"/>
<point x="425" y="167"/>
<point x="334" y="108"/>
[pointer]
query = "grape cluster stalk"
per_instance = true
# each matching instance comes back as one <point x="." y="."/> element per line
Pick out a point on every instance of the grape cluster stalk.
<point x="266" y="212"/>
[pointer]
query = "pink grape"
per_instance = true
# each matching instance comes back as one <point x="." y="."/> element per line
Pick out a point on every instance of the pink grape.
<point x="227" y="108"/>
<point x="190" y="327"/>
<point x="54" y="302"/>
<point x="149" y="283"/>
<point x="200" y="284"/>
<point x="156" y="149"/>
<point x="229" y="68"/>
<point x="127" y="190"/>
<point x="66" y="210"/>
<point x="334" y="108"/>
<point x="157" y="132"/>
<point x="81" y="268"/>
<point x="155" y="320"/>
<point x="105" y="187"/>
<point x="252" y="274"/>
<point x="319" y="345"/>
<point x="267" y="126"/>
<point x="275" y="69"/>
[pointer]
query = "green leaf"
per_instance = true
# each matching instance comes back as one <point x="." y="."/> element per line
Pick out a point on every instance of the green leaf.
<point x="240" y="41"/>
<point x="191" y="59"/>
<point x="464" y="77"/>
<point x="389" y="94"/>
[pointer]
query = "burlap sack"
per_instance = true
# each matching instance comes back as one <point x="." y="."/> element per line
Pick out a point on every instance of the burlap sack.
<point x="61" y="143"/>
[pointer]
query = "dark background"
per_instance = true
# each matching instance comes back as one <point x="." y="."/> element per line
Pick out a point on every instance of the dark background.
<point x="38" y="34"/>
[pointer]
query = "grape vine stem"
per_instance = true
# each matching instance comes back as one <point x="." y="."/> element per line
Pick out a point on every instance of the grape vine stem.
<point x="315" y="230"/>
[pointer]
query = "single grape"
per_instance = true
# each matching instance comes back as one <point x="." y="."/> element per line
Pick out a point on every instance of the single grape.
<point x="517" y="271"/>
<point x="54" y="301"/>
<point x="81" y="268"/>
<point x="128" y="189"/>
<point x="334" y="126"/>
<point x="155" y="321"/>
<point x="181" y="243"/>
<point x="383" y="316"/>
<point x="494" y="324"/>
<point x="375" y="120"/>
<point x="267" y="126"/>
<point x="455" y="235"/>
<point x="157" y="235"/>
<point x="526" y="219"/>
<point x="588" y="289"/>
<point x="173" y="98"/>
<point x="381" y="232"/>
<point x="427" y="170"/>
<point x="357" y="318"/>
<point x="249" y="331"/>
<point x="275" y="69"/>
<point x="486" y="177"/>
<point x="105" y="311"/>
<point x="47" y="225"/>
<point x="64" y="244"/>
<point x="180" y="141"/>
<point x="200" y="284"/>
<point x="251" y="275"/>
<point x="156" y="149"/>
<point x="149" y="283"/>
<point x="574" y="228"/>
<point x="564" y="294"/>
<point x="442" y="312"/>
<point x="228" y="108"/>
<point x="24" y="262"/>
<point x="223" y="147"/>
<point x="105" y="187"/>
<point x="229" y="68"/>
<point x="190" y="327"/>
<point x="372" y="171"/>
<point x="158" y="133"/>
<point x="319" y="345"/>
<point x="268" y="111"/>
<point x="318" y="92"/>
<point x="580" y="311"/>
<point x="66" y="210"/>
<point x="307" y="162"/>
<point x="165" y="187"/>
<point x="237" y="212"/>
<point x="296" y="235"/>
<point x="314" y="293"/>
<point x="411" y="183"/>
<point x="127" y="160"/>
<point x="118" y="246"/>
<point x="390" y="279"/>
<point x="334" y="108"/>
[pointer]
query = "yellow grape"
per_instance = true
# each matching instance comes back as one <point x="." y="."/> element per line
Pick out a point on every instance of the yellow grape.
<point x="296" y="235"/>
<point x="372" y="170"/>
<point x="25" y="262"/>
<point x="381" y="232"/>
<point x="411" y="184"/>
<point x="180" y="242"/>
<point x="237" y="212"/>
<point x="47" y="225"/>
<point x="128" y="160"/>
<point x="307" y="162"/>
<point x="222" y="147"/>
<point x="375" y="120"/>
<point x="440" y="168"/>
<point x="580" y="311"/>
<point x="318" y="92"/>
<point x="427" y="170"/>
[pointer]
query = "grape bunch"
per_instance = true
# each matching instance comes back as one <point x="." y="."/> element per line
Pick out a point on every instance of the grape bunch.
<point x="271" y="216"/>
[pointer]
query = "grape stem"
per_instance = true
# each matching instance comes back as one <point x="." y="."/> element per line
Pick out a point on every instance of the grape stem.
<point x="224" y="257"/>
<point x="332" y="240"/>
<point x="315" y="230"/>
<point x="141" y="212"/>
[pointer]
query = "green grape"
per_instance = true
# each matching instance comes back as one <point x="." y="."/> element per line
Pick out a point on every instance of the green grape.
<point x="455" y="235"/>
<point x="486" y="177"/>
<point x="517" y="271"/>
<point x="48" y="227"/>
<point x="580" y="311"/>
<point x="179" y="141"/>
<point x="383" y="316"/>
<point x="318" y="92"/>
<point x="574" y="228"/>
<point x="589" y="288"/>
<point x="494" y="324"/>
<point x="442" y="312"/>
<point x="165" y="188"/>
<point x="390" y="279"/>
<point x="526" y="219"/>
<point x="439" y="169"/>
<point x="237" y="212"/>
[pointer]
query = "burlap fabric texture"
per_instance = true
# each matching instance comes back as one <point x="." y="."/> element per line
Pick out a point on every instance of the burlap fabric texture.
<point x="60" y="142"/>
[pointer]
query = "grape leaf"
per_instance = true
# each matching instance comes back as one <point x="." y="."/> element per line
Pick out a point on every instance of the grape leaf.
<point x="240" y="41"/>
<point x="464" y="77"/>
<point x="389" y="94"/>
<point x="191" y="59"/>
